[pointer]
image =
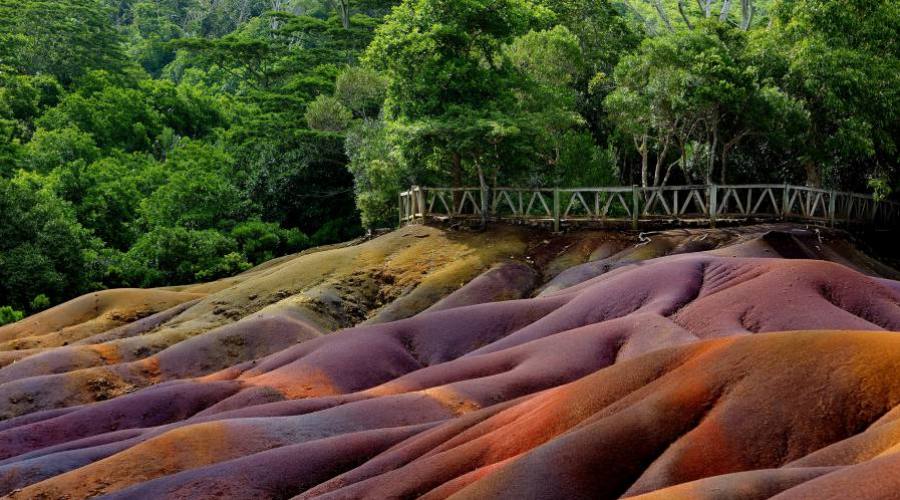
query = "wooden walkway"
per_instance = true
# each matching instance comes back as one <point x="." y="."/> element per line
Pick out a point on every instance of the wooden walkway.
<point x="637" y="206"/>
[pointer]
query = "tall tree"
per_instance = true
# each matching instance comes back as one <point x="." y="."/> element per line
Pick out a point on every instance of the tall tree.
<point x="843" y="61"/>
<point x="694" y="93"/>
<point x="450" y="93"/>
<point x="63" y="38"/>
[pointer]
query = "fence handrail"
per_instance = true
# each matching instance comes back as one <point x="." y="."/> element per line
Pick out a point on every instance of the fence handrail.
<point x="634" y="204"/>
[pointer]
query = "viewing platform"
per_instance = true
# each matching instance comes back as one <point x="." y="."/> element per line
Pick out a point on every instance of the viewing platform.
<point x="638" y="207"/>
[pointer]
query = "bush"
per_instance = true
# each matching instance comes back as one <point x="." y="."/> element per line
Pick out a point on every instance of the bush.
<point x="335" y="231"/>
<point x="173" y="255"/>
<point x="361" y="90"/>
<point x="328" y="114"/>
<point x="262" y="241"/>
<point x="39" y="303"/>
<point x="9" y="315"/>
<point x="43" y="248"/>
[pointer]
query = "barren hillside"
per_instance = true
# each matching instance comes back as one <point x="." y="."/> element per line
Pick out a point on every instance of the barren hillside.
<point x="747" y="363"/>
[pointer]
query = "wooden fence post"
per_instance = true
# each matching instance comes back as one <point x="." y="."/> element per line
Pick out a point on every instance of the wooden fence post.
<point x="400" y="211"/>
<point x="484" y="205"/>
<point x="635" y="206"/>
<point x="784" y="202"/>
<point x="713" y="207"/>
<point x="420" y="203"/>
<point x="555" y="210"/>
<point x="832" y="207"/>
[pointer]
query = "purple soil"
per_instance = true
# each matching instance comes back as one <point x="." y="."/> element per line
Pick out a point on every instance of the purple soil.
<point x="678" y="377"/>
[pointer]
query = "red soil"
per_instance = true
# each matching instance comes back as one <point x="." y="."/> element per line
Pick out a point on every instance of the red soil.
<point x="730" y="373"/>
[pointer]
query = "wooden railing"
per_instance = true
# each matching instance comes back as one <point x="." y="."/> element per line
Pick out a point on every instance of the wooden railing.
<point x="634" y="205"/>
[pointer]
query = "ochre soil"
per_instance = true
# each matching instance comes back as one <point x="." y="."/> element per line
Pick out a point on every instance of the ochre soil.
<point x="750" y="363"/>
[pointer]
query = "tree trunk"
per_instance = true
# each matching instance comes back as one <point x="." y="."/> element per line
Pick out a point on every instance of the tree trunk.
<point x="482" y="183"/>
<point x="722" y="176"/>
<point x="643" y="150"/>
<point x="711" y="154"/>
<point x="726" y="6"/>
<point x="662" y="15"/>
<point x="727" y="147"/>
<point x="684" y="15"/>
<point x="680" y="160"/>
<point x="747" y="14"/>
<point x="813" y="176"/>
<point x="659" y="161"/>
<point x="650" y="29"/>
<point x="343" y="7"/>
<point x="457" y="173"/>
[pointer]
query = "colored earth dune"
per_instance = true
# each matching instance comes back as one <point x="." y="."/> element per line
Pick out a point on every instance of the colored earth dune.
<point x="751" y="363"/>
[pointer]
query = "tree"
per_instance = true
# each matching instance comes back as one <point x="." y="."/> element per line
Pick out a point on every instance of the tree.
<point x="552" y="61"/>
<point x="262" y="241"/>
<point x="694" y="92"/>
<point x="843" y="61"/>
<point x="175" y="255"/>
<point x="9" y="315"/>
<point x="377" y="172"/>
<point x="43" y="248"/>
<point x="201" y="192"/>
<point x="605" y="36"/>
<point x="23" y="98"/>
<point x="661" y="17"/>
<point x="107" y="194"/>
<point x="114" y="117"/>
<point x="327" y="114"/>
<point x="450" y="92"/>
<point x="361" y="90"/>
<point x="63" y="38"/>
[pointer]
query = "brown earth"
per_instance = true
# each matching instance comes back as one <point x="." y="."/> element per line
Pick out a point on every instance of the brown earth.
<point x="735" y="363"/>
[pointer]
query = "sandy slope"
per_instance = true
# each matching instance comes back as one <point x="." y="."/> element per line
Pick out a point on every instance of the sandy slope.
<point x="741" y="363"/>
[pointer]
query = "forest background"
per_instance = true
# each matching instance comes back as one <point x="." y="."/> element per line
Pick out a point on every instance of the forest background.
<point x="157" y="142"/>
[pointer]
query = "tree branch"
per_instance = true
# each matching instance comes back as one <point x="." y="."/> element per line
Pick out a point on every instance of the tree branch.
<point x="684" y="15"/>
<point x="726" y="7"/>
<point x="746" y="14"/>
<point x="662" y="15"/>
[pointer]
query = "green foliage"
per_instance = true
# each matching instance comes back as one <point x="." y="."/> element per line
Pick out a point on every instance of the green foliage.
<point x="452" y="97"/>
<point x="691" y="95"/>
<point x="201" y="191"/>
<point x="107" y="194"/>
<point x="9" y="315"/>
<point x="173" y="255"/>
<point x="478" y="91"/>
<point x="262" y="241"/>
<point x="378" y="174"/>
<point x="843" y="61"/>
<point x="49" y="149"/>
<point x="151" y="142"/>
<point x="441" y="55"/>
<point x="361" y="90"/>
<point x="43" y="248"/>
<point x="63" y="38"/>
<point x="327" y="114"/>
<point x="195" y="200"/>
<point x="39" y="303"/>
<point x="114" y="117"/>
<point x="25" y="97"/>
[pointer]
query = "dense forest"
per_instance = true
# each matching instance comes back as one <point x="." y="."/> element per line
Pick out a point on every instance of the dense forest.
<point x="158" y="142"/>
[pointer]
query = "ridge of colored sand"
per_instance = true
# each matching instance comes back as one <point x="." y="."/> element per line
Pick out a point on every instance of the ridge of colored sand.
<point x="743" y="363"/>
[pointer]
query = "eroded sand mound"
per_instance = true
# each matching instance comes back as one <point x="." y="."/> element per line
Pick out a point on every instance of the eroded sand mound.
<point x="741" y="363"/>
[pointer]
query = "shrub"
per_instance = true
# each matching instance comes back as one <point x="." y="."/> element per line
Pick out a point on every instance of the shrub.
<point x="9" y="315"/>
<point x="361" y="90"/>
<point x="328" y="114"/>
<point x="261" y="241"/>
<point x="40" y="302"/>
